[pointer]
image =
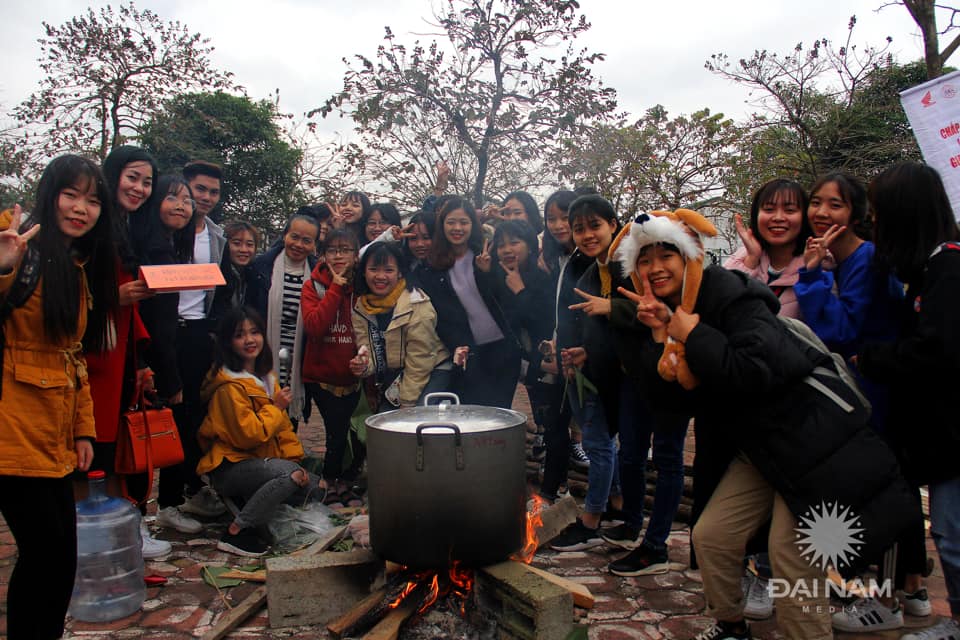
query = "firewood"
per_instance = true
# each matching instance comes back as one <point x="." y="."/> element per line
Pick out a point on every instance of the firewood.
<point x="322" y="544"/>
<point x="389" y="627"/>
<point x="371" y="609"/>
<point x="260" y="575"/>
<point x="232" y="618"/>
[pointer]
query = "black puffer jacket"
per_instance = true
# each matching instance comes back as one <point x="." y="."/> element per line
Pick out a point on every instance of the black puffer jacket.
<point x="753" y="398"/>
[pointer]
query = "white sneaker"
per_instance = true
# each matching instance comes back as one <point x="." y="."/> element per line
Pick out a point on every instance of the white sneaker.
<point x="173" y="518"/>
<point x="204" y="503"/>
<point x="151" y="547"/>
<point x="946" y="629"/>
<point x="867" y="615"/>
<point x="758" y="604"/>
<point x="916" y="603"/>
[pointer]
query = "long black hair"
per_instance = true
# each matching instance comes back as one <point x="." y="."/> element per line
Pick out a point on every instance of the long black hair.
<point x="441" y="255"/>
<point x="95" y="249"/>
<point x="912" y="217"/>
<point x="854" y="195"/>
<point x="113" y="166"/>
<point x="223" y="354"/>
<point x="552" y="250"/>
<point x="529" y="208"/>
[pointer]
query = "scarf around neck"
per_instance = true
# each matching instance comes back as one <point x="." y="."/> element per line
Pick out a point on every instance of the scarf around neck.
<point x="375" y="305"/>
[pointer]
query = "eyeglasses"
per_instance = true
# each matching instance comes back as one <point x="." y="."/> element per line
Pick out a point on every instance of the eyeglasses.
<point x="338" y="251"/>
<point x="188" y="203"/>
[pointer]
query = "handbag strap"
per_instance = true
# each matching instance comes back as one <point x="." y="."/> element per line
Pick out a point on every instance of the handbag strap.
<point x="149" y="450"/>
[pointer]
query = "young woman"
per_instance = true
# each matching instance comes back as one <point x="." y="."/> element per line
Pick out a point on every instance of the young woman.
<point x="50" y="274"/>
<point x="916" y="235"/>
<point x="164" y="235"/>
<point x="327" y="303"/>
<point x="520" y="205"/>
<point x="395" y="329"/>
<point x="560" y="258"/>
<point x="795" y="443"/>
<point x="836" y="258"/>
<point x="274" y="289"/>
<point x="585" y="343"/>
<point x="353" y="209"/>
<point x="250" y="449"/>
<point x="469" y="320"/>
<point x="774" y="243"/>
<point x="118" y="369"/>
<point x="242" y="240"/>
<point x="416" y="247"/>
<point x="382" y="216"/>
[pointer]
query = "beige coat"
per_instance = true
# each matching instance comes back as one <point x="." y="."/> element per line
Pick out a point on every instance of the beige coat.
<point x="411" y="340"/>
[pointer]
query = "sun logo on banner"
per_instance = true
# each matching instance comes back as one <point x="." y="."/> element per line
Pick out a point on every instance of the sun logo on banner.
<point x="829" y="535"/>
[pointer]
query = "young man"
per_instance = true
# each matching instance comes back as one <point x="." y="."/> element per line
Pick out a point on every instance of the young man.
<point x="195" y="355"/>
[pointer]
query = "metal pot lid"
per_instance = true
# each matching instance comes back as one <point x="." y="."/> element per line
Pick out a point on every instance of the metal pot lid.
<point x="470" y="418"/>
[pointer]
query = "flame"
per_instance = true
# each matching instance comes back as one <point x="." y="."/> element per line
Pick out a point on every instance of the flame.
<point x="407" y="589"/>
<point x="534" y="524"/>
<point x="462" y="584"/>
<point x="433" y="595"/>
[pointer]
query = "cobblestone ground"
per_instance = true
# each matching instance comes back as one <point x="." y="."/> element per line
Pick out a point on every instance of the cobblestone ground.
<point x="665" y="606"/>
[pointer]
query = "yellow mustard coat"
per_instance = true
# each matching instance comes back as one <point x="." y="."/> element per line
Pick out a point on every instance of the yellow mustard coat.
<point x="242" y="422"/>
<point x="46" y="403"/>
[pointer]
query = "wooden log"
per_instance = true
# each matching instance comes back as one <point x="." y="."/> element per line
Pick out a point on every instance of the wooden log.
<point x="260" y="575"/>
<point x="581" y="594"/>
<point x="234" y="617"/>
<point x="389" y="627"/>
<point x="371" y="609"/>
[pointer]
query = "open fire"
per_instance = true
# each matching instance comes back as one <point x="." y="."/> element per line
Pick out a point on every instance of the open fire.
<point x="408" y="595"/>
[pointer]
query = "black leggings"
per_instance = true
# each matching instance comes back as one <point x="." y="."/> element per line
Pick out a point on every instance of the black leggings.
<point x="42" y="518"/>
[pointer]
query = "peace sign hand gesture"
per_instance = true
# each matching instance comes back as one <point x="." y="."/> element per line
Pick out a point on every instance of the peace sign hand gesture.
<point x="337" y="218"/>
<point x="484" y="261"/>
<point x="817" y="249"/>
<point x="594" y="305"/>
<point x="13" y="244"/>
<point x="650" y="311"/>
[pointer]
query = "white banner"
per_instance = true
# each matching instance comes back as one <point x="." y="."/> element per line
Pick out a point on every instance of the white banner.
<point x="933" y="109"/>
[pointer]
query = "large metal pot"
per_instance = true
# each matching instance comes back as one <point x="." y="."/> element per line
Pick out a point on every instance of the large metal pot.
<point x="446" y="482"/>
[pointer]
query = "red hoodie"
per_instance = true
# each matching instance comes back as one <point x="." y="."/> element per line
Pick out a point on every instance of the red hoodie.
<point x="329" y="329"/>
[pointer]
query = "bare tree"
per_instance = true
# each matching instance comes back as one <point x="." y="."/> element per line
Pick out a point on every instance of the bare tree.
<point x="924" y="13"/>
<point x="105" y="73"/>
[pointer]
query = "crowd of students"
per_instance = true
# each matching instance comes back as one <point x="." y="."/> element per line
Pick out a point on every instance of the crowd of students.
<point x="352" y="311"/>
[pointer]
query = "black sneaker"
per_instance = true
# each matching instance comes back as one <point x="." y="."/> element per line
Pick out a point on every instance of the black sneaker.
<point x="576" y="537"/>
<point x="726" y="631"/>
<point x="642" y="561"/>
<point x="623" y="536"/>
<point x="246" y="543"/>
<point x="578" y="457"/>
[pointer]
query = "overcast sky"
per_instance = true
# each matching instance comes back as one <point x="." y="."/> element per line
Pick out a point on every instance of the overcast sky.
<point x="655" y="50"/>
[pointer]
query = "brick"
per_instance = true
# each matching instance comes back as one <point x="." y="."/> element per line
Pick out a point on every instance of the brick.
<point x="316" y="589"/>
<point x="526" y="605"/>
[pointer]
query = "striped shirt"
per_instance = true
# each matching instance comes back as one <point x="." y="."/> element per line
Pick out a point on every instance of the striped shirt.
<point x="292" y="287"/>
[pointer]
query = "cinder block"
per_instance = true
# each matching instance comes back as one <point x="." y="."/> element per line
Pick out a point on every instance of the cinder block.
<point x="312" y="590"/>
<point x="526" y="605"/>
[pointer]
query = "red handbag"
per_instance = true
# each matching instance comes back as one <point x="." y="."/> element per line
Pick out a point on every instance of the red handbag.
<point x="148" y="439"/>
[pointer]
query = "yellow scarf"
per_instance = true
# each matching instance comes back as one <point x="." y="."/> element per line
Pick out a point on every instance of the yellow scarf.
<point x="606" y="282"/>
<point x="375" y="305"/>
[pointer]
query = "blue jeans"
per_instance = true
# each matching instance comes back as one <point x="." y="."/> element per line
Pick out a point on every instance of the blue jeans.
<point x="945" y="530"/>
<point x="603" y="478"/>
<point x="637" y="425"/>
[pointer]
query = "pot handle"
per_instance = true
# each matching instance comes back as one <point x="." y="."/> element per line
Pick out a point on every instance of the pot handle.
<point x="443" y="395"/>
<point x="457" y="440"/>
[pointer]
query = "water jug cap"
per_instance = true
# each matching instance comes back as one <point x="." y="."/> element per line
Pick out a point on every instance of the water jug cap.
<point x="97" y="475"/>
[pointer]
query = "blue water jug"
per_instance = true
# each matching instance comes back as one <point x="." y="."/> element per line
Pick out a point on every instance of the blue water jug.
<point x="109" y="583"/>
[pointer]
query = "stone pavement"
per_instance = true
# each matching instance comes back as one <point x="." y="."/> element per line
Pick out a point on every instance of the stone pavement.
<point x="652" y="607"/>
